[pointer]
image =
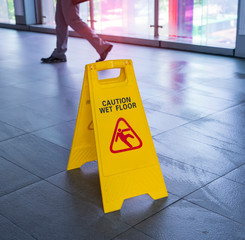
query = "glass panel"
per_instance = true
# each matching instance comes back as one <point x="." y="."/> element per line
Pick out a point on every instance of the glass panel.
<point x="48" y="12"/>
<point x="19" y="8"/>
<point x="201" y="22"/>
<point x="7" y="11"/>
<point x="164" y="18"/>
<point x="206" y="22"/>
<point x="84" y="12"/>
<point x="221" y="22"/>
<point x="124" y="17"/>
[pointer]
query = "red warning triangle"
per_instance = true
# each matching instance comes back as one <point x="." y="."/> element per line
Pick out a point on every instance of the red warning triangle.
<point x="124" y="138"/>
<point x="91" y="126"/>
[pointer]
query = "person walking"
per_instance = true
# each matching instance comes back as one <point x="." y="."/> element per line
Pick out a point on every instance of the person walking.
<point x="67" y="14"/>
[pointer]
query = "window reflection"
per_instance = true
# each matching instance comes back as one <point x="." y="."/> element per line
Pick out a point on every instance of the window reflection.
<point x="206" y="22"/>
<point x="48" y="12"/>
<point x="127" y="17"/>
<point x="7" y="11"/>
<point x="201" y="22"/>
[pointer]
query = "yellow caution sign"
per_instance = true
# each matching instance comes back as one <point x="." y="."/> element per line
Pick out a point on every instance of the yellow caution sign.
<point x="112" y="128"/>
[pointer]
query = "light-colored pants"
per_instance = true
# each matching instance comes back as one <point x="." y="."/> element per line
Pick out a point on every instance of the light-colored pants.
<point x="66" y="15"/>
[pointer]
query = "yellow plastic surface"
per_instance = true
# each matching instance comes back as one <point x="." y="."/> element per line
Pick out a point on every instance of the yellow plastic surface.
<point x="127" y="160"/>
<point x="83" y="146"/>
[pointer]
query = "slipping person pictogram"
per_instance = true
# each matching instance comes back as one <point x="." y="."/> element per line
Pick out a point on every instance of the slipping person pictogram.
<point x="124" y="138"/>
<point x="122" y="133"/>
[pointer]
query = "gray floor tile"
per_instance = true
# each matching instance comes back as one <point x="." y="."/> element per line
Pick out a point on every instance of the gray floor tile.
<point x="147" y="90"/>
<point x="137" y="209"/>
<point x="217" y="92"/>
<point x="190" y="112"/>
<point x="67" y="75"/>
<point x="195" y="108"/>
<point x="8" y="131"/>
<point x="237" y="175"/>
<point x="161" y="122"/>
<point x="45" y="88"/>
<point x="7" y="79"/>
<point x="185" y="220"/>
<point x="227" y="130"/>
<point x="187" y="104"/>
<point x="222" y="196"/>
<point x="182" y="179"/>
<point x="175" y="145"/>
<point x="133" y="234"/>
<point x="85" y="183"/>
<point x="196" y="99"/>
<point x="61" y="134"/>
<point x="163" y="80"/>
<point x="13" y="177"/>
<point x="232" y="83"/>
<point x="222" y="135"/>
<point x="47" y="212"/>
<point x="9" y="231"/>
<point x="14" y="95"/>
<point x="35" y="154"/>
<point x="62" y="108"/>
<point x="28" y="119"/>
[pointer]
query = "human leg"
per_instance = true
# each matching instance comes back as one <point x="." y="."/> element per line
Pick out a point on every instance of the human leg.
<point x="71" y="15"/>
<point x="58" y="55"/>
<point x="61" y="32"/>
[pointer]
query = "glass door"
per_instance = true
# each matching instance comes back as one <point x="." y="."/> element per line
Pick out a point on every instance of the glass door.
<point x="48" y="12"/>
<point x="202" y="22"/>
<point x="124" y="18"/>
<point x="7" y="14"/>
<point x="198" y="22"/>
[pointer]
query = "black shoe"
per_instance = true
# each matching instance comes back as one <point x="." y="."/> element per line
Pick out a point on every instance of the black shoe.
<point x="52" y="60"/>
<point x="104" y="54"/>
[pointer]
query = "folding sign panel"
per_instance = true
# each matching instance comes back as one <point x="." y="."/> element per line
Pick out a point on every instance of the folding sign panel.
<point x="112" y="128"/>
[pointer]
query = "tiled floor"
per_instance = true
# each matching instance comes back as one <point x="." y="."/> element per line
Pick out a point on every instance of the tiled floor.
<point x="195" y="106"/>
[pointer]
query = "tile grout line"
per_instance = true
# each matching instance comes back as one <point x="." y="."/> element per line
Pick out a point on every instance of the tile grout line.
<point x="46" y="140"/>
<point x="233" y="220"/>
<point x="179" y="161"/>
<point x="39" y="177"/>
<point x="222" y="176"/>
<point x="232" y="179"/>
<point x="12" y="138"/>
<point x="13" y="126"/>
<point x="33" y="134"/>
<point x="133" y="226"/>
<point x="182" y="198"/>
<point x="79" y="196"/>
<point x="219" y="176"/>
<point x="21" y="167"/>
<point x="18" y="226"/>
<point x="195" y="120"/>
<point x="188" y="164"/>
